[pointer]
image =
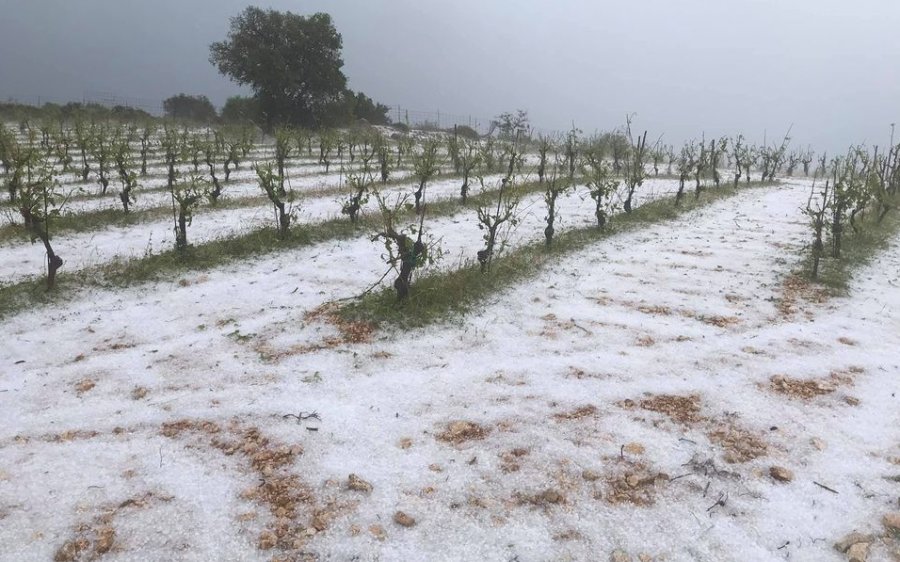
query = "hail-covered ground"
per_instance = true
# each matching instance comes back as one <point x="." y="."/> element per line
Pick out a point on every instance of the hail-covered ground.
<point x="671" y="393"/>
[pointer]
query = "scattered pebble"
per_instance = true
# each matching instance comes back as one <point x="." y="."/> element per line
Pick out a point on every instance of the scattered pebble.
<point x="403" y="519"/>
<point x="590" y="475"/>
<point x="781" y="474"/>
<point x="267" y="540"/>
<point x="357" y="484"/>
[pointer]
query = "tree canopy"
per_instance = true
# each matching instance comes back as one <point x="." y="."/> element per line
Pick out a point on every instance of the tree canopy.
<point x="192" y="108"/>
<point x="241" y="109"/>
<point x="365" y="108"/>
<point x="292" y="62"/>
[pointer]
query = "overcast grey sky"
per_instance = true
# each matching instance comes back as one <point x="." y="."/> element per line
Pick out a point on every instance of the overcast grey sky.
<point x="685" y="67"/>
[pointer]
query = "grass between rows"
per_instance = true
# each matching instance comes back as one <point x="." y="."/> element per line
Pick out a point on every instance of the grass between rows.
<point x="440" y="295"/>
<point x="166" y="265"/>
<point x="857" y="249"/>
<point x="115" y="217"/>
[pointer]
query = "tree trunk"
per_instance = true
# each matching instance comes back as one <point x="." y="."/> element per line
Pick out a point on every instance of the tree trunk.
<point x="627" y="205"/>
<point x="284" y="220"/>
<point x="418" y="194"/>
<point x="181" y="232"/>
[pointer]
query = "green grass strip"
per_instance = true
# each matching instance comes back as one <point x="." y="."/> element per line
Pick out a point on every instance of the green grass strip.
<point x="857" y="249"/>
<point x="116" y="217"/>
<point x="167" y="265"/>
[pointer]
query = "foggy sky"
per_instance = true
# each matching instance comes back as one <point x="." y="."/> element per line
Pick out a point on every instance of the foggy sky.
<point x="684" y="67"/>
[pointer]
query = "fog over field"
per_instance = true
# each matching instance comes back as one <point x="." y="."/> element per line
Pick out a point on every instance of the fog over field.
<point x="686" y="68"/>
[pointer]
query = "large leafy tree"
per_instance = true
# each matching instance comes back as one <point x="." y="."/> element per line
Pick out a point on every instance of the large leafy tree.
<point x="192" y="108"/>
<point x="241" y="109"/>
<point x="365" y="108"/>
<point x="292" y="62"/>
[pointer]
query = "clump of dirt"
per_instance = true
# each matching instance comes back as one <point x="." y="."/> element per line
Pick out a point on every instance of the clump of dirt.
<point x="682" y="409"/>
<point x="289" y="500"/>
<point x="69" y="435"/>
<point x="656" y="309"/>
<point x="645" y="341"/>
<point x="173" y="429"/>
<point x="740" y="445"/>
<point x="577" y="413"/>
<point x="795" y="288"/>
<point x="352" y="331"/>
<point x="807" y="389"/>
<point x="98" y="537"/>
<point x="357" y="484"/>
<point x="84" y="385"/>
<point x="632" y="482"/>
<point x="544" y="499"/>
<point x="89" y="544"/>
<point x="349" y="331"/>
<point x="460" y="431"/>
<point x="139" y="392"/>
<point x="720" y="321"/>
<point x="510" y="459"/>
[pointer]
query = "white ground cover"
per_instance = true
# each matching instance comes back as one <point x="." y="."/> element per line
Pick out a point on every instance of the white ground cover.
<point x="556" y="372"/>
<point x="19" y="261"/>
<point x="242" y="183"/>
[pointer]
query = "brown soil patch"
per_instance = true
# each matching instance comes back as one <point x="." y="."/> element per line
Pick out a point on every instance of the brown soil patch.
<point x="296" y="516"/>
<point x="682" y="409"/>
<point x="139" y="392"/>
<point x="645" y="341"/>
<point x="545" y="499"/>
<point x="84" y="385"/>
<point x="740" y="445"/>
<point x="98" y="537"/>
<point x="807" y="389"/>
<point x="352" y="331"/>
<point x="796" y="288"/>
<point x="349" y="332"/>
<point x="577" y="413"/>
<point x="460" y="431"/>
<point x="70" y="435"/>
<point x="654" y="309"/>
<point x="510" y="459"/>
<point x="632" y="482"/>
<point x="846" y="341"/>
<point x="720" y="321"/>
